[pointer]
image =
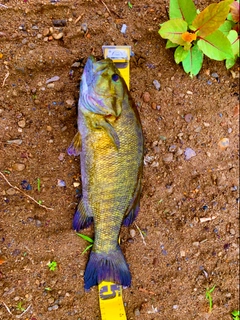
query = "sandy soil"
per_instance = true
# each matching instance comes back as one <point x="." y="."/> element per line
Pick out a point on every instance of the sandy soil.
<point x="189" y="208"/>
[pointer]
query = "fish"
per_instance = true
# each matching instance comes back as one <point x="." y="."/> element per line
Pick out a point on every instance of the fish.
<point x="110" y="144"/>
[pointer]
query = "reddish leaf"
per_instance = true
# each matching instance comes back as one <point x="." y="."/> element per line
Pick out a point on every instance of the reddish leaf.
<point x="234" y="9"/>
<point x="211" y="18"/>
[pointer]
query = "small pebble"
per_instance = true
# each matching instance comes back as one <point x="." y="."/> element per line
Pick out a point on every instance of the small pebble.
<point x="223" y="143"/>
<point x="55" y="307"/>
<point x="24" y="41"/>
<point x="189" y="153"/>
<point x="132" y="233"/>
<point x="168" y="157"/>
<point x="146" y="96"/>
<point x="175" y="306"/>
<point x="15" y="141"/>
<point x="124" y="28"/>
<point x="53" y="79"/>
<point x="61" y="156"/>
<point x="215" y="75"/>
<point x="59" y="23"/>
<point x="70" y="102"/>
<point x="76" y="184"/>
<point x="172" y="148"/>
<point x="232" y="232"/>
<point x="189" y="92"/>
<point x="50" y="85"/>
<point x="38" y="223"/>
<point x="76" y="64"/>
<point x="18" y="166"/>
<point x="84" y="27"/>
<point x="22" y="123"/>
<point x="137" y="312"/>
<point x="57" y="36"/>
<point x="196" y="244"/>
<point x="154" y="105"/>
<point x="188" y="117"/>
<point x="45" y="32"/>
<point x="156" y="84"/>
<point x="11" y="191"/>
<point x="51" y="300"/>
<point x="61" y="183"/>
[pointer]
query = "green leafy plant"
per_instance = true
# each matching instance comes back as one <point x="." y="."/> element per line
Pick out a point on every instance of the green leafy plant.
<point x="195" y="34"/>
<point x="52" y="265"/>
<point x="88" y="239"/>
<point x="20" y="306"/>
<point x="209" y="297"/>
<point x="236" y="315"/>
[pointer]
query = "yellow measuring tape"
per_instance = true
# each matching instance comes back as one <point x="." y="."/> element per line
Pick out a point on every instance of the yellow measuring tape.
<point x="110" y="294"/>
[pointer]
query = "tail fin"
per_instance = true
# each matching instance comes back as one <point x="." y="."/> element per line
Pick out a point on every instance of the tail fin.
<point x="107" y="267"/>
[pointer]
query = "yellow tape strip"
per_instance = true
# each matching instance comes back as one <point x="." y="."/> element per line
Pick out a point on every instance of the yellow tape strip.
<point x="111" y="302"/>
<point x="110" y="294"/>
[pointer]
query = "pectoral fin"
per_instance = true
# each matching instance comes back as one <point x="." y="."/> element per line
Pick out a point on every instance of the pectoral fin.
<point x="76" y="145"/>
<point x="110" y="131"/>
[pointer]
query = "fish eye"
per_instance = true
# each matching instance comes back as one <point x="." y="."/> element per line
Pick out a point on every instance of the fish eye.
<point x="115" y="77"/>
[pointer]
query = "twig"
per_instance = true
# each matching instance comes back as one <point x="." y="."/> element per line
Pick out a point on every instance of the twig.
<point x="16" y="188"/>
<point x="7" y="308"/>
<point x="78" y="18"/>
<point x="4" y="80"/>
<point x="106" y="6"/>
<point x="20" y="315"/>
<point x="146" y="291"/>
<point x="140" y="233"/>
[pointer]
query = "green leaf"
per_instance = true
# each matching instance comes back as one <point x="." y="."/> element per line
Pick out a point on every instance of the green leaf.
<point x="173" y="30"/>
<point x="184" y="9"/>
<point x="211" y="18"/>
<point x="180" y="54"/>
<point x="231" y="62"/>
<point x="87" y="248"/>
<point x="174" y="10"/>
<point x="226" y="27"/>
<point x="234" y="40"/>
<point x="83" y="236"/>
<point x="170" y="44"/>
<point x="193" y="61"/>
<point x="216" y="46"/>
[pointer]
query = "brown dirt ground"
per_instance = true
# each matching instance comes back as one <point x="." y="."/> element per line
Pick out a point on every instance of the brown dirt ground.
<point x="183" y="255"/>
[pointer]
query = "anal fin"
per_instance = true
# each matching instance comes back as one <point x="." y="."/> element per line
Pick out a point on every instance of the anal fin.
<point x="134" y="206"/>
<point x="82" y="219"/>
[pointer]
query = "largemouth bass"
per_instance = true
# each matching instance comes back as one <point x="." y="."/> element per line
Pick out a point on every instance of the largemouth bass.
<point x="110" y="144"/>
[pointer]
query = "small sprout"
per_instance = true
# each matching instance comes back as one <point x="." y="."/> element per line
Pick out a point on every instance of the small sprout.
<point x="47" y="289"/>
<point x="38" y="184"/>
<point x="130" y="5"/>
<point x="88" y="239"/>
<point x="39" y="201"/>
<point x="7" y="171"/>
<point x="20" y="306"/>
<point x="236" y="315"/>
<point x="209" y="297"/>
<point x="52" y="265"/>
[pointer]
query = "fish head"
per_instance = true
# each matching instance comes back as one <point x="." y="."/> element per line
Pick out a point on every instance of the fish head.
<point x="102" y="88"/>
